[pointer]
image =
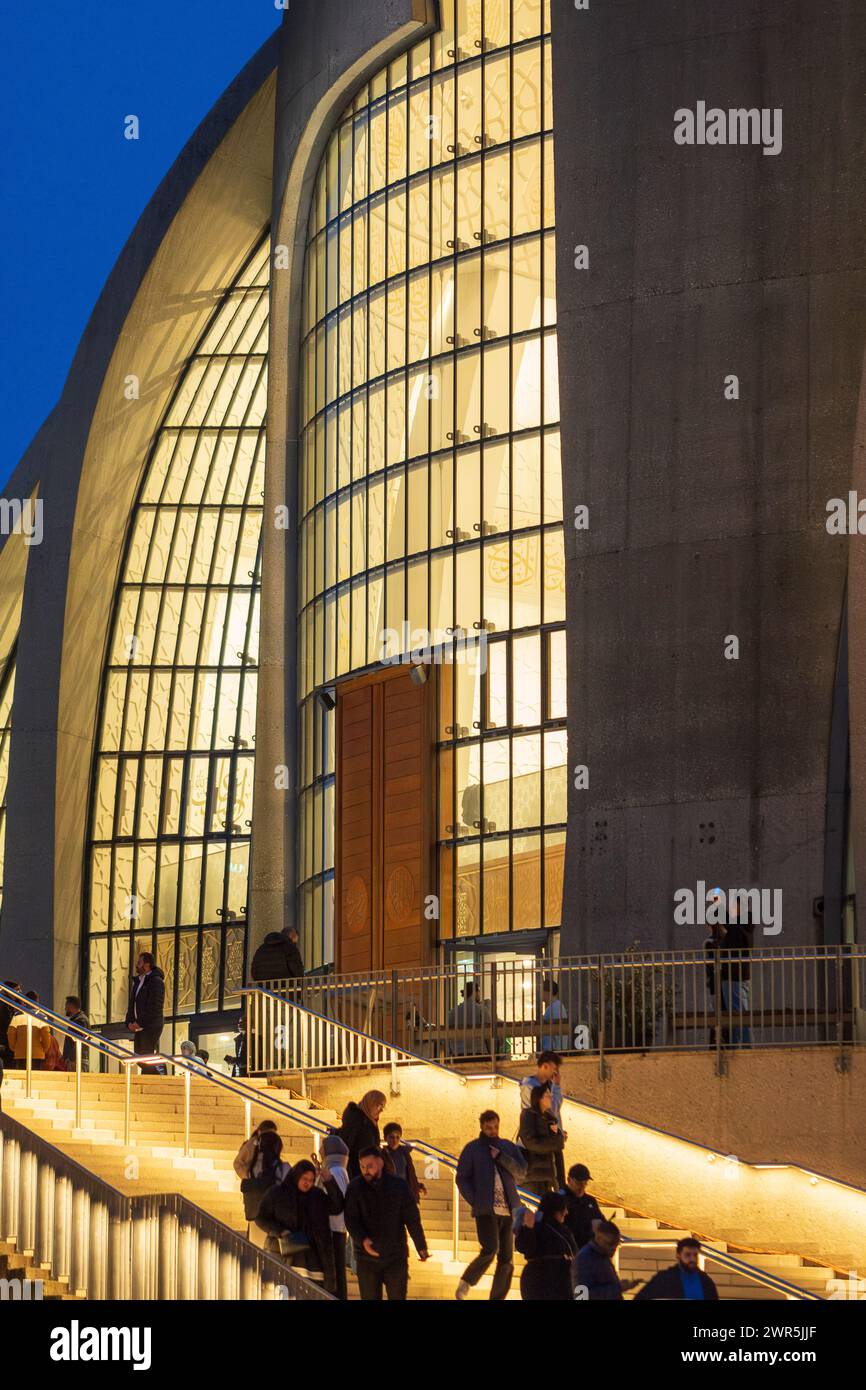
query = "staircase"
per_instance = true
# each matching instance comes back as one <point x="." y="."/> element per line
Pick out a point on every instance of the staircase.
<point x="154" y="1161"/>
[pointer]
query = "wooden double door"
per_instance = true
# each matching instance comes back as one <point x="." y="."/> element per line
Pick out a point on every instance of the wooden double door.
<point x="385" y="841"/>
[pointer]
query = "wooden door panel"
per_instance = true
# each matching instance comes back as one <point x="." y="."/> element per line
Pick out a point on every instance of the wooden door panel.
<point x="384" y="821"/>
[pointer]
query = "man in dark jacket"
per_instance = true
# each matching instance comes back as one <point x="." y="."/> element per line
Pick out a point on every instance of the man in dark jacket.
<point x="583" y="1210"/>
<point x="379" y="1211"/>
<point x="597" y="1279"/>
<point x="682" y="1280"/>
<point x="75" y="1014"/>
<point x="278" y="958"/>
<point x="144" y="1017"/>
<point x="488" y="1171"/>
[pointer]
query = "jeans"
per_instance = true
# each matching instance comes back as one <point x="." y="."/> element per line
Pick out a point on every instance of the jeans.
<point x="392" y="1276"/>
<point x="497" y="1243"/>
<point x="735" y="1000"/>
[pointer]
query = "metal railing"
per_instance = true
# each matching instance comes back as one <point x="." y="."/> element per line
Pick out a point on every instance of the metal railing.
<point x="636" y="1001"/>
<point x="76" y="1229"/>
<point x="126" y="1059"/>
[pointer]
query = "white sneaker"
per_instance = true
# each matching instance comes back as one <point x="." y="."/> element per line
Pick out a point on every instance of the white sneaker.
<point x="462" y="1291"/>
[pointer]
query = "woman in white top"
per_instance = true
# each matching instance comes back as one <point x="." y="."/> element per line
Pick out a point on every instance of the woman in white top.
<point x="335" y="1160"/>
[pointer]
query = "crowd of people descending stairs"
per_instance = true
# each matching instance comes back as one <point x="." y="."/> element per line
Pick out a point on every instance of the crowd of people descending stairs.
<point x="357" y="1206"/>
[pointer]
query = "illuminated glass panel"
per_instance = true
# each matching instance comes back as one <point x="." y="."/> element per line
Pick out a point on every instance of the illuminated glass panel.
<point x="171" y="811"/>
<point x="430" y="492"/>
<point x="7" y="690"/>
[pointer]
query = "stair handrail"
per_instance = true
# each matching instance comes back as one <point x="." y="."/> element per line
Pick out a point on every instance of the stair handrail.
<point x="250" y="1095"/>
<point x="49" y="1239"/>
<point x="736" y="1265"/>
<point x="532" y="1201"/>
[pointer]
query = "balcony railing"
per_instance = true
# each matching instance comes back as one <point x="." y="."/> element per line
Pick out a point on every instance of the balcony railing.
<point x="635" y="1002"/>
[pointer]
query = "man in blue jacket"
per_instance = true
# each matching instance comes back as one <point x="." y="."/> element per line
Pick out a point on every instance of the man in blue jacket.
<point x="488" y="1171"/>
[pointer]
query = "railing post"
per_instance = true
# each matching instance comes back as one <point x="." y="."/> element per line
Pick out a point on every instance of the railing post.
<point x="721" y="1060"/>
<point x="603" y="1071"/>
<point x="394" y="1010"/>
<point x="395" y="1082"/>
<point x="455" y="1217"/>
<point x="248" y="1058"/>
<point x="126" y="1101"/>
<point x="187" y="1087"/>
<point x="28" y="1085"/>
<point x="493" y="1018"/>
<point x="302" y="1020"/>
<point x="842" y="1059"/>
<point x="79" y="1281"/>
<point x="77" y="1083"/>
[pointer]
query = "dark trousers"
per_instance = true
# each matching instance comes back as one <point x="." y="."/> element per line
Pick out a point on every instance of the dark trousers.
<point x="338" y="1240"/>
<point x="392" y="1276"/>
<point x="497" y="1243"/>
<point x="145" y="1043"/>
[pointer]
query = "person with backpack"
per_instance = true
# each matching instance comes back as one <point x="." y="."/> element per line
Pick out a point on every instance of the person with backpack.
<point x="247" y="1153"/>
<point x="266" y="1171"/>
<point x="295" y="1217"/>
<point x="542" y="1138"/>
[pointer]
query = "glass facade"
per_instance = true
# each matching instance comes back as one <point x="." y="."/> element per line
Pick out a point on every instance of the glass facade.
<point x="7" y="691"/>
<point x="173" y="778"/>
<point x="430" y="495"/>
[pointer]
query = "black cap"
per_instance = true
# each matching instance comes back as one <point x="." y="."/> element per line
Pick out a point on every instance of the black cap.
<point x="580" y="1173"/>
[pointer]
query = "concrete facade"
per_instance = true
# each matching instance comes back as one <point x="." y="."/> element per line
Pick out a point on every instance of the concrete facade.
<point x="706" y="515"/>
<point x="87" y="461"/>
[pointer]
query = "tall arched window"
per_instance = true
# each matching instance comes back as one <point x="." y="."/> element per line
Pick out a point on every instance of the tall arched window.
<point x="173" y="779"/>
<point x="431" y="495"/>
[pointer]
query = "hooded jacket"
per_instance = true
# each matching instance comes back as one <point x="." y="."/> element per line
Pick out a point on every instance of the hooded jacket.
<point x="550" y="1251"/>
<point x="146" y="1005"/>
<point x="277" y="959"/>
<point x="541" y="1144"/>
<point x="285" y="1208"/>
<point x="358" y="1132"/>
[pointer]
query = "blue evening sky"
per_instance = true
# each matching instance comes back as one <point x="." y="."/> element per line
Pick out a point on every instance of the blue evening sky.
<point x="73" y="187"/>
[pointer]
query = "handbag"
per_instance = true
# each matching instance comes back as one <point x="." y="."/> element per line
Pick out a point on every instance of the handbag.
<point x="292" y="1243"/>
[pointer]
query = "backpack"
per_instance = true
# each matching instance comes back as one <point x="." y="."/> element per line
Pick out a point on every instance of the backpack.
<point x="253" y="1191"/>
